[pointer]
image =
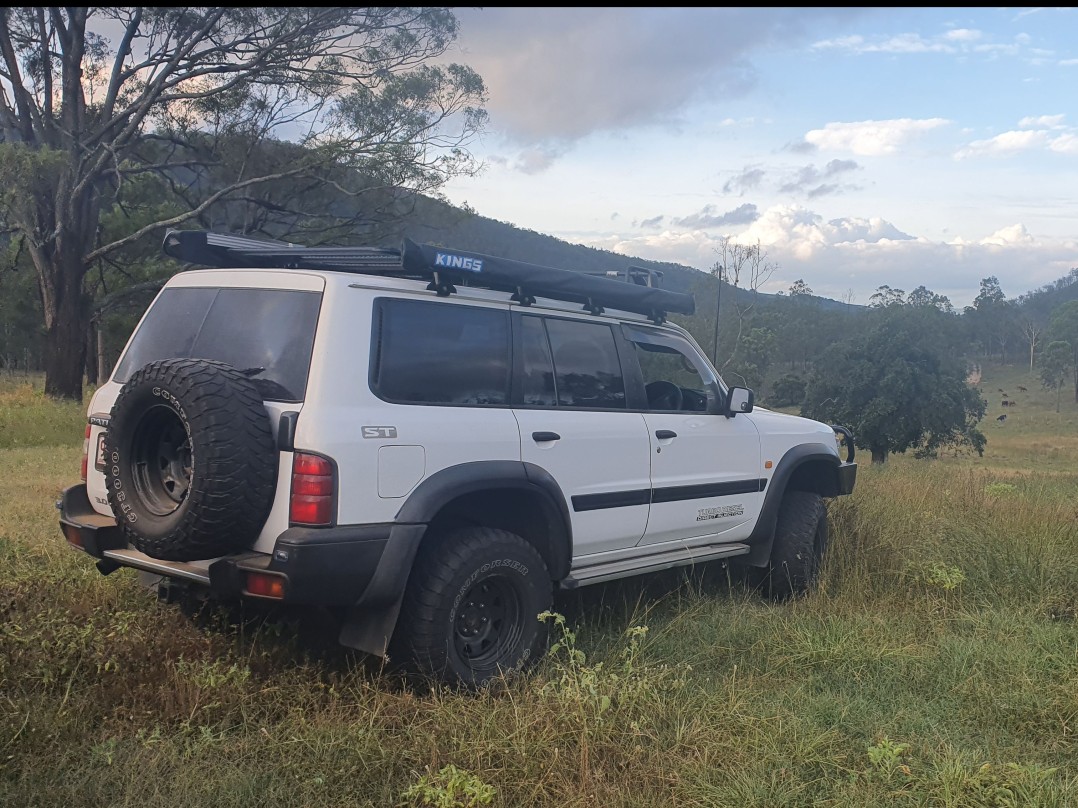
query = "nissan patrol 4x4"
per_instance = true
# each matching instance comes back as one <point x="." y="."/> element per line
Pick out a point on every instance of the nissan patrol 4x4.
<point x="431" y="441"/>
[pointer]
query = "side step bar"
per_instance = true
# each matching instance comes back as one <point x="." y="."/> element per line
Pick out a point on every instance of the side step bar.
<point x="173" y="569"/>
<point x="623" y="568"/>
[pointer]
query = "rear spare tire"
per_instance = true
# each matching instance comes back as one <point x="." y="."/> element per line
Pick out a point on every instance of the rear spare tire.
<point x="190" y="460"/>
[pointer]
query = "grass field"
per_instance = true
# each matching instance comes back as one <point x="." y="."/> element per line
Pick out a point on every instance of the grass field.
<point x="936" y="666"/>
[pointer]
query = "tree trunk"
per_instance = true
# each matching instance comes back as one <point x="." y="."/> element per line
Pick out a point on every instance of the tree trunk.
<point x="102" y="370"/>
<point x="65" y="335"/>
<point x="879" y="456"/>
<point x="1074" y="370"/>
<point x="91" y="354"/>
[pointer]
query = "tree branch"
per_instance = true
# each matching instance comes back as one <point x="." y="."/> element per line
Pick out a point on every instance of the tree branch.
<point x="24" y="104"/>
<point x="122" y="52"/>
<point x="183" y="217"/>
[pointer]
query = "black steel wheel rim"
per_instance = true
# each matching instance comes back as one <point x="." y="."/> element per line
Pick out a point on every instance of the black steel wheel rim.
<point x="161" y="461"/>
<point x="488" y="622"/>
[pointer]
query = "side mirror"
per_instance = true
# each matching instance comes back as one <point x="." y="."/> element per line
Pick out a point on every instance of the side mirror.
<point x="739" y="399"/>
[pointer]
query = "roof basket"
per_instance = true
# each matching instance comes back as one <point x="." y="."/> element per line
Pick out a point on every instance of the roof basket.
<point x="634" y="289"/>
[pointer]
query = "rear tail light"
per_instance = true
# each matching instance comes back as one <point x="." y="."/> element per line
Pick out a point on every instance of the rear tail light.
<point x="85" y="455"/>
<point x="72" y="534"/>
<point x="265" y="585"/>
<point x="314" y="487"/>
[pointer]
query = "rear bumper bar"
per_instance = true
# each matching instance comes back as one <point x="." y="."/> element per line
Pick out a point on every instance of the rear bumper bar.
<point x="320" y="566"/>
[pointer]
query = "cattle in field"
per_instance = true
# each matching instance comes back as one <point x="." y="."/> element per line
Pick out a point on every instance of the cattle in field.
<point x="1006" y="403"/>
<point x="1024" y="390"/>
<point x="1002" y="418"/>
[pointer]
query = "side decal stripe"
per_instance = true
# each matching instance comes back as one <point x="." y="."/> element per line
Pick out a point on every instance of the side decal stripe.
<point x="611" y="499"/>
<point x="676" y="493"/>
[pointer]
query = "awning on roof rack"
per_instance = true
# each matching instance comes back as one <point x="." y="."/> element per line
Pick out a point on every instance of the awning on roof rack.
<point x="532" y="280"/>
<point x="443" y="267"/>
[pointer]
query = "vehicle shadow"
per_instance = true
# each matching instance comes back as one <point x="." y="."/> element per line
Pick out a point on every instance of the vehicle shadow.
<point x="273" y="636"/>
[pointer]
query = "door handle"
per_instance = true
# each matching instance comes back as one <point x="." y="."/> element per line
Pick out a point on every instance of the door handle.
<point x="541" y="437"/>
<point x="665" y="434"/>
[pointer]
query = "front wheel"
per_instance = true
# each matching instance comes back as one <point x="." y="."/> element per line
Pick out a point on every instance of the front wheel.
<point x="801" y="536"/>
<point x="471" y="608"/>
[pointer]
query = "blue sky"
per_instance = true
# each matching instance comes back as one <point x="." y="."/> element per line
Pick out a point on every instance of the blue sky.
<point x="858" y="147"/>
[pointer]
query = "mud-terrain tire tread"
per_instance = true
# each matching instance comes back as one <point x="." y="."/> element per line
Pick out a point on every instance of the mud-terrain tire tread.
<point x="235" y="460"/>
<point x="801" y="534"/>
<point x="422" y="641"/>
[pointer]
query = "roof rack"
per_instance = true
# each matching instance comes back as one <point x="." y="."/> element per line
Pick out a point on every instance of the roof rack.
<point x="637" y="290"/>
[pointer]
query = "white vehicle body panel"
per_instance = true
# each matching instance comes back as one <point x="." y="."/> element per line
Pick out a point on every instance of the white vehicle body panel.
<point x="601" y="452"/>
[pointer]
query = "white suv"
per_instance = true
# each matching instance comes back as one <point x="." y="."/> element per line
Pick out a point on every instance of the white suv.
<point x="431" y="441"/>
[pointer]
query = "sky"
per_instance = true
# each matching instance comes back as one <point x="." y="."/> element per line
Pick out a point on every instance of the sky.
<point x="858" y="147"/>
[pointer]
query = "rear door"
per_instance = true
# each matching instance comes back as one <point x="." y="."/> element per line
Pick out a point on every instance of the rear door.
<point x="574" y="423"/>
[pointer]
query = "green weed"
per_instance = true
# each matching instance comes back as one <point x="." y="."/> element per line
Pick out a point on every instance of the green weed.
<point x="449" y="788"/>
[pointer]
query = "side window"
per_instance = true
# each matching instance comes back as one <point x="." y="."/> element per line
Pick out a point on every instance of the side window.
<point x="538" y="380"/>
<point x="671" y="371"/>
<point x="587" y="371"/>
<point x="440" y="353"/>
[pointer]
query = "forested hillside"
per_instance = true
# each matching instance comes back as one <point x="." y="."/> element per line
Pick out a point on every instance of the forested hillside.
<point x="766" y="341"/>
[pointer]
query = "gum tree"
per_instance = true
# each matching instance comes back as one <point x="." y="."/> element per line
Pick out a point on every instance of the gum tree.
<point x="897" y="386"/>
<point x="1063" y="327"/>
<point x="95" y="100"/>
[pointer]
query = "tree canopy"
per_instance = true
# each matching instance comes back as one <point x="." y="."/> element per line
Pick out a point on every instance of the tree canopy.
<point x="1063" y="327"/>
<point x="154" y="116"/>
<point x="898" y="386"/>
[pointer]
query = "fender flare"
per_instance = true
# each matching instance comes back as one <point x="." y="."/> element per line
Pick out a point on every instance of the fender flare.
<point x="441" y="488"/>
<point x="370" y="623"/>
<point x="763" y="535"/>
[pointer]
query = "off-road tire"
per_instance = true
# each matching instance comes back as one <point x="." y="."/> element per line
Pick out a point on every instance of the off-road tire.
<point x="801" y="535"/>
<point x="190" y="463"/>
<point x="471" y="608"/>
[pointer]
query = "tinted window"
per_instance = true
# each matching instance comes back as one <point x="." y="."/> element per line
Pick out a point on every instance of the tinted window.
<point x="438" y="353"/>
<point x="586" y="366"/>
<point x="673" y="373"/>
<point x="538" y="381"/>
<point x="268" y="332"/>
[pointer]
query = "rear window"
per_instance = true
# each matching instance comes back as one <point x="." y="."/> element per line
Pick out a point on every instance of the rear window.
<point x="435" y="353"/>
<point x="268" y="333"/>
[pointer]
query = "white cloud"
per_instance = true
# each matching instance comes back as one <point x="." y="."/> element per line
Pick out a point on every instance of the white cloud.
<point x="963" y="35"/>
<point x="1065" y="144"/>
<point x="871" y="138"/>
<point x="957" y="41"/>
<point x="862" y="254"/>
<point x="1014" y="235"/>
<point x="1042" y="122"/>
<point x="999" y="48"/>
<point x="900" y="43"/>
<point x="1068" y="62"/>
<point x="1005" y="143"/>
<point x="802" y="232"/>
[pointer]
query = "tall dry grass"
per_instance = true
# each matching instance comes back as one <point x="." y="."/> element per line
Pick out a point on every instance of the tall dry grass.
<point x="936" y="666"/>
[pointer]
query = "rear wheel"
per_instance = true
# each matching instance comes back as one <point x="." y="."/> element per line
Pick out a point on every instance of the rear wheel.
<point x="471" y="608"/>
<point x="801" y="535"/>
